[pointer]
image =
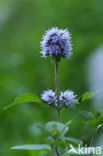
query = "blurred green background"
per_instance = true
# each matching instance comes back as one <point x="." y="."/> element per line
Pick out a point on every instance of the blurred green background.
<point x="22" y="69"/>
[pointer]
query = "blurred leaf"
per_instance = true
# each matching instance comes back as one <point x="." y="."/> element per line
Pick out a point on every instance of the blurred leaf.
<point x="42" y="147"/>
<point x="64" y="131"/>
<point x="60" y="143"/>
<point x="100" y="126"/>
<point x="68" y="123"/>
<point x="55" y="132"/>
<point x="41" y="127"/>
<point x="95" y="122"/>
<point x="27" y="97"/>
<point x="77" y="102"/>
<point x="87" y="114"/>
<point x="87" y="95"/>
<point x="50" y="140"/>
<point x="73" y="140"/>
<point x="56" y="128"/>
<point x="84" y="123"/>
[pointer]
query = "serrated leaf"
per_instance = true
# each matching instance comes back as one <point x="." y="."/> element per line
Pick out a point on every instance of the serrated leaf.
<point x="87" y="114"/>
<point x="74" y="141"/>
<point x="27" y="97"/>
<point x="88" y="95"/>
<point x="42" y="147"/>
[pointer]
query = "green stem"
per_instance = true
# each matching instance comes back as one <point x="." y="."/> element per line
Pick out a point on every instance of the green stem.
<point x="93" y="140"/>
<point x="56" y="151"/>
<point x="57" y="90"/>
<point x="58" y="111"/>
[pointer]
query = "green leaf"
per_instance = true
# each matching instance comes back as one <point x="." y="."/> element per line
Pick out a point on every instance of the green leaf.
<point x="56" y="128"/>
<point x="88" y="95"/>
<point x="41" y="127"/>
<point x="95" y="122"/>
<point x="27" y="97"/>
<point x="74" y="141"/>
<point x="42" y="147"/>
<point x="99" y="126"/>
<point x="50" y="140"/>
<point x="66" y="128"/>
<point x="60" y="143"/>
<point x="77" y="102"/>
<point x="87" y="114"/>
<point x="68" y="123"/>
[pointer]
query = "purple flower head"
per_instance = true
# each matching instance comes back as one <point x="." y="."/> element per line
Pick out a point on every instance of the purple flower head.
<point x="67" y="98"/>
<point x="49" y="97"/>
<point x="56" y="43"/>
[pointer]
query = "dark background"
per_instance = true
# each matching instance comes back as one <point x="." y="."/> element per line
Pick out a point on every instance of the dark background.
<point x="22" y="69"/>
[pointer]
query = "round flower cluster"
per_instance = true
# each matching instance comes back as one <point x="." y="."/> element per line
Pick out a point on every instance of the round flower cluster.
<point x="49" y="97"/>
<point x="56" y="43"/>
<point x="66" y="98"/>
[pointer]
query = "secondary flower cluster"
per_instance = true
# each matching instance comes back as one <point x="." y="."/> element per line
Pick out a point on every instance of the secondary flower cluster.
<point x="56" y="43"/>
<point x="66" y="98"/>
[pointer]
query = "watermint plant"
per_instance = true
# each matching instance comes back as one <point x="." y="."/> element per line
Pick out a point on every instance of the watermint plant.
<point x="57" y="45"/>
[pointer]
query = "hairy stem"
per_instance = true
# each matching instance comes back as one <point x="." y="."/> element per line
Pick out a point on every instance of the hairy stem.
<point x="57" y="90"/>
<point x="93" y="140"/>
